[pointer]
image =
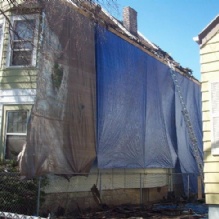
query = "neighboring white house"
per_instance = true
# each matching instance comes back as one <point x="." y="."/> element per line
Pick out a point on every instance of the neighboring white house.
<point x="208" y="41"/>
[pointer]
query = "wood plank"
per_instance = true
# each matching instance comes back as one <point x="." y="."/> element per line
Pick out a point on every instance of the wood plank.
<point x="209" y="67"/>
<point x="208" y="157"/>
<point x="205" y="96"/>
<point x="212" y="178"/>
<point x="205" y="87"/>
<point x="210" y="77"/>
<point x="206" y="116"/>
<point x="206" y="137"/>
<point x="17" y="99"/>
<point x="17" y="79"/>
<point x="18" y="72"/>
<point x="31" y="85"/>
<point x="206" y="125"/>
<point x="209" y="57"/>
<point x="212" y="199"/>
<point x="18" y="92"/>
<point x="212" y="167"/>
<point x="209" y="48"/>
<point x="206" y="106"/>
<point x="207" y="145"/>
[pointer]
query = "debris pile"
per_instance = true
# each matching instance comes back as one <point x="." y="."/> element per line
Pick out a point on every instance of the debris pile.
<point x="153" y="211"/>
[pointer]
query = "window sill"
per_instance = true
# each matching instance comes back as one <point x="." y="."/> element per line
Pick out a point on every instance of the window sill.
<point x="19" y="68"/>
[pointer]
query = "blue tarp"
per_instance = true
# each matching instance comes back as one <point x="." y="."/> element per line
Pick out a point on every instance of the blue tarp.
<point x="192" y="98"/>
<point x="140" y="122"/>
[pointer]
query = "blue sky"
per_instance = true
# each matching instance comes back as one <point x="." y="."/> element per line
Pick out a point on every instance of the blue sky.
<point x="172" y="24"/>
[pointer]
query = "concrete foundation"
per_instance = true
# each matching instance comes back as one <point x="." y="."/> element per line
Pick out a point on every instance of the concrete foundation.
<point x="213" y="211"/>
<point x="83" y="200"/>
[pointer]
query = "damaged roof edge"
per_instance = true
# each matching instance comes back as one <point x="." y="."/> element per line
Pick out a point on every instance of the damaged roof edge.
<point x="144" y="44"/>
<point x="155" y="51"/>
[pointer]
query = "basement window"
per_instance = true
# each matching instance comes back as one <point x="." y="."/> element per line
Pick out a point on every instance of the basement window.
<point x="16" y="132"/>
<point x="23" y="40"/>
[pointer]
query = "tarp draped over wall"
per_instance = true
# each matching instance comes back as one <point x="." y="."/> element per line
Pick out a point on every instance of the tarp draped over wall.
<point x="61" y="132"/>
<point x="140" y="120"/>
<point x="192" y="97"/>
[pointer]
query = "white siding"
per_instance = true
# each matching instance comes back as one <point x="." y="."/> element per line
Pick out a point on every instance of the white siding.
<point x="17" y="96"/>
<point x="110" y="179"/>
<point x="209" y="69"/>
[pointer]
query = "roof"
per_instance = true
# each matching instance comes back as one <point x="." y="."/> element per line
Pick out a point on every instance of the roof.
<point x="138" y="40"/>
<point x="100" y="16"/>
<point x="208" y="32"/>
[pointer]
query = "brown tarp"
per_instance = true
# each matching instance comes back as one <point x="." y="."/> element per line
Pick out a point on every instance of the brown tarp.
<point x="61" y="130"/>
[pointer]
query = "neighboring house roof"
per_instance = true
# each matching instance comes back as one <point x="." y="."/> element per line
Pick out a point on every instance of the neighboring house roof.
<point x="208" y="32"/>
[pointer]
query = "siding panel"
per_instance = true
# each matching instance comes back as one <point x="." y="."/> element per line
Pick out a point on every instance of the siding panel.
<point x="110" y="179"/>
<point x="209" y="48"/>
<point x="205" y="106"/>
<point x="205" y="87"/>
<point x="209" y="57"/>
<point x="210" y="158"/>
<point x="212" y="188"/>
<point x="212" y="167"/>
<point x="207" y="145"/>
<point x="206" y="137"/>
<point x="209" y="76"/>
<point x="212" y="66"/>
<point x="212" y="198"/>
<point x="206" y="116"/>
<point x="19" y="86"/>
<point x="17" y="79"/>
<point x="212" y="178"/>
<point x="205" y="96"/>
<point x="207" y="126"/>
<point x="17" y="96"/>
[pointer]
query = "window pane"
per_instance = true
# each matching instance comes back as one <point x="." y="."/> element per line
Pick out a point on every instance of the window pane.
<point x="22" y="45"/>
<point x="17" y="121"/>
<point x="21" y="58"/>
<point x="24" y="29"/>
<point x="14" y="145"/>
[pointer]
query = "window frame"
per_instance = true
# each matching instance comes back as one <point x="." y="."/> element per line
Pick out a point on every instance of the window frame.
<point x="12" y="108"/>
<point x="35" y="40"/>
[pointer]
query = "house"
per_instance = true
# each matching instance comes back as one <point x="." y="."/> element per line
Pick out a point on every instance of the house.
<point x="208" y="41"/>
<point x="85" y="94"/>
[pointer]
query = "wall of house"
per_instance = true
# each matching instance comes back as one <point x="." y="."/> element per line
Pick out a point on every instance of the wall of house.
<point x="18" y="87"/>
<point x="209" y="53"/>
<point x="17" y="84"/>
<point x="116" y="186"/>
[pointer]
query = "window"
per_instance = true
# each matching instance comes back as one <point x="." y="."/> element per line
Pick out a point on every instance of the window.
<point x="15" y="129"/>
<point x="23" y="40"/>
<point x="15" y="132"/>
